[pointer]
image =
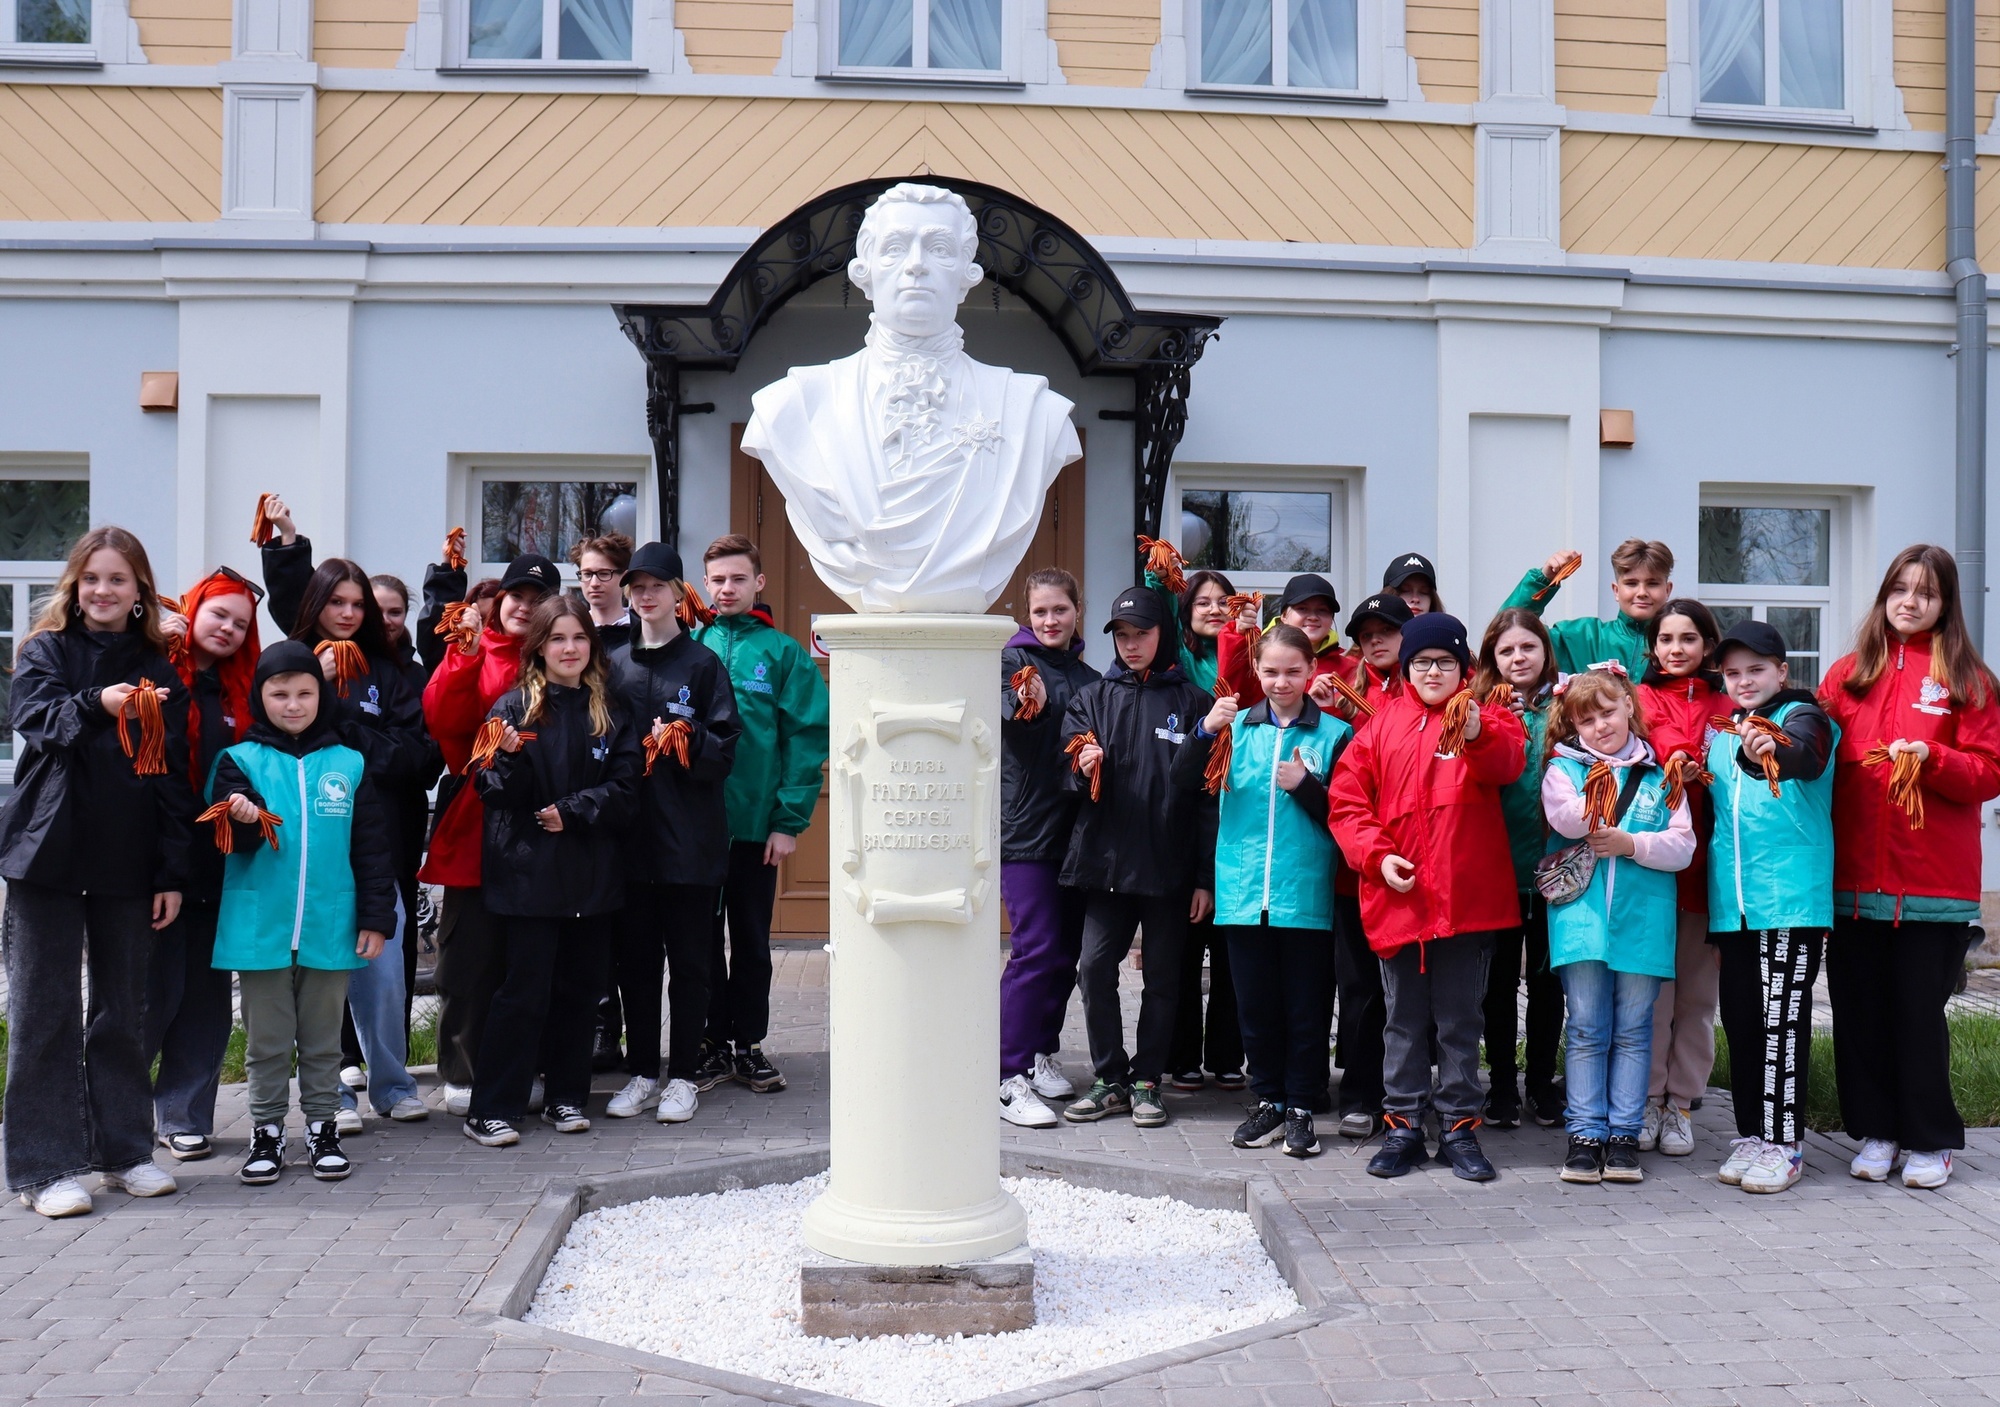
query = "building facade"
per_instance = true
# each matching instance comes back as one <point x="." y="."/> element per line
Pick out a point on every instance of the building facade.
<point x="380" y="244"/>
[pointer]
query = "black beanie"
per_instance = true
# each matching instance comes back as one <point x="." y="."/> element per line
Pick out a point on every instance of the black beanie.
<point x="1434" y="630"/>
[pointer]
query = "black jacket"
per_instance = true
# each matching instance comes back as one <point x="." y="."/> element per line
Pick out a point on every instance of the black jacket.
<point x="409" y="799"/>
<point x="442" y="586"/>
<point x="1811" y="731"/>
<point x="1037" y="804"/>
<point x="79" y="820"/>
<point x="210" y="739"/>
<point x="591" y="781"/>
<point x="681" y="834"/>
<point x="1145" y="835"/>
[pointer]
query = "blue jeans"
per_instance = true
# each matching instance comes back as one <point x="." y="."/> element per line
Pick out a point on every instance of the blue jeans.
<point x="189" y="1008"/>
<point x="375" y="996"/>
<point x="1609" y="1062"/>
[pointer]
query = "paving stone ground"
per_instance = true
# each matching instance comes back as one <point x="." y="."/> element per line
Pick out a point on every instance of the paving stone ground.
<point x="1679" y="1291"/>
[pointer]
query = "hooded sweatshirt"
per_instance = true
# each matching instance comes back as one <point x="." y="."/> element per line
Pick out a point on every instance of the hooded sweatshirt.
<point x="1037" y="804"/>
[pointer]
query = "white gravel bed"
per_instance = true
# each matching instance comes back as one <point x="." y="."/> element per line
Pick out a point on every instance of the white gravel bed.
<point x="715" y="1280"/>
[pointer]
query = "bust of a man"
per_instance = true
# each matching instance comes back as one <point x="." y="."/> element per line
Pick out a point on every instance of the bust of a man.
<point x="913" y="475"/>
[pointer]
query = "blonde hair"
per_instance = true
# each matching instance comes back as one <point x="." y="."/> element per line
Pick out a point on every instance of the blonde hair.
<point x="62" y="605"/>
<point x="1580" y="693"/>
<point x="534" y="682"/>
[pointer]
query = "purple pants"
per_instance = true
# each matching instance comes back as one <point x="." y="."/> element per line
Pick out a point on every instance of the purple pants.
<point x="1041" y="971"/>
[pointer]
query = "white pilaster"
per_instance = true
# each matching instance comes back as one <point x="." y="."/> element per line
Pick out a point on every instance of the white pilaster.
<point x="1517" y="166"/>
<point x="268" y="91"/>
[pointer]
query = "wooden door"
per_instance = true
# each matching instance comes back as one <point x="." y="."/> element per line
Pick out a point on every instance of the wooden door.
<point x="795" y="595"/>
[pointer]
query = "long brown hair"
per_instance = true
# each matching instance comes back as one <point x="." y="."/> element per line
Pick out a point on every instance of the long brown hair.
<point x="534" y="682"/>
<point x="1955" y="661"/>
<point x="62" y="606"/>
<point x="373" y="635"/>
<point x="1487" y="675"/>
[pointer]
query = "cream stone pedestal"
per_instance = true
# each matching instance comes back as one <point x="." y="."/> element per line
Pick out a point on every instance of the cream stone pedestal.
<point x="914" y="944"/>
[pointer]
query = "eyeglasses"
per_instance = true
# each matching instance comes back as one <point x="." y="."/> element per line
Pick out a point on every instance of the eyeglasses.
<point x="596" y="575"/>
<point x="1433" y="666"/>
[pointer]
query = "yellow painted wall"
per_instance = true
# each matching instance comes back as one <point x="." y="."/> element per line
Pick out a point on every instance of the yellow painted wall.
<point x="183" y="31"/>
<point x="77" y="153"/>
<point x="576" y="159"/>
<point x="1443" y="37"/>
<point x="1610" y="53"/>
<point x="1105" y="42"/>
<point x="733" y="36"/>
<point x="361" y="33"/>
<point x="1691" y="198"/>
<point x="1920" y="60"/>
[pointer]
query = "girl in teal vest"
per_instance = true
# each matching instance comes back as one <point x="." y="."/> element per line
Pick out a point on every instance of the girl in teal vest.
<point x="1613" y="943"/>
<point x="1274" y="861"/>
<point x="308" y="895"/>
<point x="1770" y="896"/>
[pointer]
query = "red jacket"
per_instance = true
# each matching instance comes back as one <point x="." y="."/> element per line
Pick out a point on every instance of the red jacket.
<point x="1392" y="794"/>
<point x="1874" y="849"/>
<point x="1678" y="714"/>
<point x="1236" y="672"/>
<point x="456" y="702"/>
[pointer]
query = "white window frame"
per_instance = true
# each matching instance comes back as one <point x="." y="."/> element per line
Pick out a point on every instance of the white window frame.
<point x="469" y="474"/>
<point x="114" y="39"/>
<point x="458" y="43"/>
<point x="1835" y="606"/>
<point x="1372" y="22"/>
<point x="1874" y="102"/>
<point x="1023" y="32"/>
<point x="1345" y="540"/>
<point x="21" y="577"/>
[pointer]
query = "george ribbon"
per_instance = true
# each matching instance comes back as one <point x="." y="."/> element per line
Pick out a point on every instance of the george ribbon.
<point x="1164" y="561"/>
<point x="149" y="753"/>
<point x="1027" y="708"/>
<point x="672" y="740"/>
<point x="1076" y="745"/>
<point x="225" y="833"/>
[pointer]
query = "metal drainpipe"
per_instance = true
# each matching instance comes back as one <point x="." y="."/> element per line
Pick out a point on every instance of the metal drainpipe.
<point x="1969" y="284"/>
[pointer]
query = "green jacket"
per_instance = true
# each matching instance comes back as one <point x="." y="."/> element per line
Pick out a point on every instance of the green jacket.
<point x="774" y="784"/>
<point x="1521" y="799"/>
<point x="1582" y="642"/>
<point x="1199" y="668"/>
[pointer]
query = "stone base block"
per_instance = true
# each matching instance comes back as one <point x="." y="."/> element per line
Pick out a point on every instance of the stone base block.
<point x="841" y="1299"/>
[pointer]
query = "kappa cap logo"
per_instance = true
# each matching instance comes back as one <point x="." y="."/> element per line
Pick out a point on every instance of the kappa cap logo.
<point x="1413" y="561"/>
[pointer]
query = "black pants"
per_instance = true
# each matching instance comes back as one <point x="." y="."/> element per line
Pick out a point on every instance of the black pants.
<point x="1218" y="1042"/>
<point x="468" y="972"/>
<point x="1891" y="1048"/>
<point x="739" y="953"/>
<point x="1282" y="978"/>
<point x="544" y="1013"/>
<point x="189" y="1009"/>
<point x="1109" y="921"/>
<point x="1545" y="1001"/>
<point x="1765" y="997"/>
<point x="1364" y="1014"/>
<point x="666" y="929"/>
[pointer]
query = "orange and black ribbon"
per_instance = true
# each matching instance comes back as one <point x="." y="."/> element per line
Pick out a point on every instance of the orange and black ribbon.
<point x="1679" y="772"/>
<point x="1600" y="797"/>
<point x="1027" y="708"/>
<point x="149" y="751"/>
<point x="486" y="744"/>
<point x="1457" y="715"/>
<point x="670" y="741"/>
<point x="348" y="662"/>
<point x="1164" y="561"/>
<point x="1757" y="723"/>
<point x="1074" y="747"/>
<point x="1905" y="785"/>
<point x="691" y="611"/>
<point x="1557" y="578"/>
<point x="263" y="525"/>
<point x="454" y="549"/>
<point x="458" y="622"/>
<point x="225" y="833"/>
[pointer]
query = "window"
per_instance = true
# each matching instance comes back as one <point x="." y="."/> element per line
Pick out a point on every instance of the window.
<point x="505" y="33"/>
<point x="1306" y="44"/>
<point x="1773" y="562"/>
<point x="43" y="509"/>
<point x="50" y="22"/>
<point x="521" y="503"/>
<point x="908" y="38"/>
<point x="1261" y="531"/>
<point x="1773" y="54"/>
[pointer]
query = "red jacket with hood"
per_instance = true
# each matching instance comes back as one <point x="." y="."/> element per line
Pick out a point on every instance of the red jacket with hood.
<point x="1393" y="794"/>
<point x="1679" y="715"/>
<point x="456" y="702"/>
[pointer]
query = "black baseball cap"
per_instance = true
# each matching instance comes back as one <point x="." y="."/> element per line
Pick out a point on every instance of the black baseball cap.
<point x="1385" y="606"/>
<point x="1138" y="605"/>
<point x="1758" y="637"/>
<point x="1406" y="566"/>
<point x="531" y="569"/>
<point x="655" y="559"/>
<point x="1304" y="587"/>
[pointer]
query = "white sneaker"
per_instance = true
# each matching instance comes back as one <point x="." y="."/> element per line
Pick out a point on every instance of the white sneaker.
<point x="536" y="1096"/>
<point x="1778" y="1166"/>
<point x="1020" y="1104"/>
<point x="64" y="1197"/>
<point x="1649" y="1127"/>
<point x="1676" y="1131"/>
<point x="1927" y="1169"/>
<point x="678" y="1102"/>
<point x="1742" y="1153"/>
<point x="348" y="1121"/>
<point x="458" y="1100"/>
<point x="351" y="1076"/>
<point x="1875" y="1161"/>
<point x="639" y="1095"/>
<point x="1049" y="1080"/>
<point x="409" y="1109"/>
<point x="147" y="1179"/>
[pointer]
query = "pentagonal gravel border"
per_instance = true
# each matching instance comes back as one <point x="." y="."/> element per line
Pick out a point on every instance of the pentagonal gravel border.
<point x="503" y="1297"/>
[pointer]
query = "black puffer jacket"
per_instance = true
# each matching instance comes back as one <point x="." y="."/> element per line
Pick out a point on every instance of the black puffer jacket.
<point x="681" y="834"/>
<point x="211" y="738"/>
<point x="1145" y="835"/>
<point x="592" y="782"/>
<point x="79" y="820"/>
<point x="1037" y="804"/>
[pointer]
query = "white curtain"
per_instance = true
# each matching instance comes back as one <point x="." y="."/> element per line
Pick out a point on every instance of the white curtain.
<point x="1324" y="47"/>
<point x="52" y="22"/>
<point x="1731" y="42"/>
<point x="876" y="33"/>
<point x="1811" y="61"/>
<point x="965" y="34"/>
<point x="1236" y="41"/>
<point x="596" y="29"/>
<point x="505" y="29"/>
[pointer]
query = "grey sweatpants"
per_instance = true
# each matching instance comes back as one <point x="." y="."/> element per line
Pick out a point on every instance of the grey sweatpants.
<point x="292" y="1009"/>
<point x="1442" y="982"/>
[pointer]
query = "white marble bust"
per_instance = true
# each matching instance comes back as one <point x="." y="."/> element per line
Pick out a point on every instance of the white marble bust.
<point x="913" y="475"/>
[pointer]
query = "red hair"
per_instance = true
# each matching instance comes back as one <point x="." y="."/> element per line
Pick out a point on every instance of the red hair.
<point x="234" y="674"/>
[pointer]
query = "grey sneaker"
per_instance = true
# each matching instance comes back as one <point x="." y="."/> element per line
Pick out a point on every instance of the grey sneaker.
<point x="1148" y="1112"/>
<point x="1359" y="1124"/>
<point x="1676" y="1131"/>
<point x="1103" y="1098"/>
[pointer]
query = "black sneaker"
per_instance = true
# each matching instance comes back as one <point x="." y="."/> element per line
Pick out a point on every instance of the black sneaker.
<point x="606" y="1055"/>
<point x="566" y="1118"/>
<point x="1231" y="1080"/>
<point x="1621" y="1159"/>
<point x="1458" y="1148"/>
<point x="323" y="1153"/>
<point x="1585" y="1162"/>
<point x="1402" y="1149"/>
<point x="1188" y="1079"/>
<point x="1266" y="1125"/>
<point x="757" y="1072"/>
<point x="267" y="1156"/>
<point x="186" y="1147"/>
<point x="1546" y="1106"/>
<point x="1300" y="1140"/>
<point x="491" y="1133"/>
<point x="717" y="1067"/>
<point x="1503" y="1107"/>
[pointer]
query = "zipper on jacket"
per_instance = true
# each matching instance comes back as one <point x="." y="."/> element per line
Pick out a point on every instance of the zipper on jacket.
<point x="305" y="825"/>
<point x="1736" y="840"/>
<point x="1271" y="815"/>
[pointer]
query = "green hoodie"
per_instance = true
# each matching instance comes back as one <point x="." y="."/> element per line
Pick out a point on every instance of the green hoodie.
<point x="781" y="699"/>
<point x="1521" y="799"/>
<point x="1200" y="668"/>
<point x="1583" y="642"/>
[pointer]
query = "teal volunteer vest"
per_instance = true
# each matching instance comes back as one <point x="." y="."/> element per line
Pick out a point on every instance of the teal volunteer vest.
<point x="295" y="903"/>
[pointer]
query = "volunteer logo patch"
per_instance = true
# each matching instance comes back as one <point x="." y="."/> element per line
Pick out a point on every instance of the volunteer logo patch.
<point x="757" y="683"/>
<point x="680" y="705"/>
<point x="332" y="798"/>
<point x="1932" y="698"/>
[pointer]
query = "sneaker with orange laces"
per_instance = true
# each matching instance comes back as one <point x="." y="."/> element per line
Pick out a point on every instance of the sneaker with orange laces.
<point x="1402" y="1148"/>
<point x="1458" y="1149"/>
